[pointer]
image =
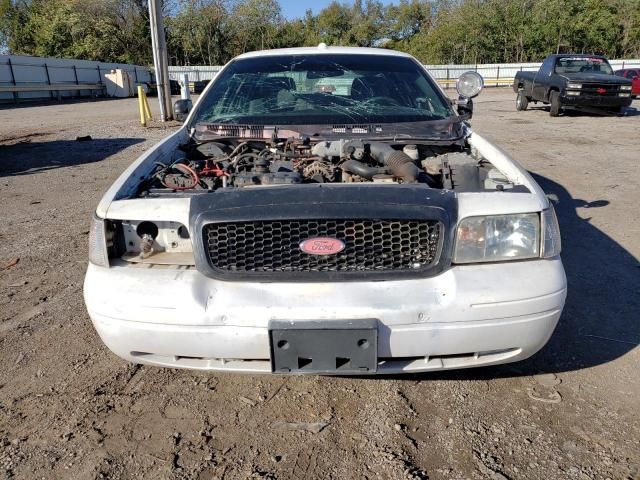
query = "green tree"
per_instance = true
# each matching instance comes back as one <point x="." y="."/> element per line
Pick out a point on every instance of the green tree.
<point x="334" y="23"/>
<point x="213" y="31"/>
<point x="406" y="19"/>
<point x="596" y="28"/>
<point x="199" y="33"/>
<point x="366" y="24"/>
<point x="14" y="37"/>
<point x="255" y="24"/>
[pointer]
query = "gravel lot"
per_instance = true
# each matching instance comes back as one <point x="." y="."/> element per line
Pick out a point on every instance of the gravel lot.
<point x="71" y="409"/>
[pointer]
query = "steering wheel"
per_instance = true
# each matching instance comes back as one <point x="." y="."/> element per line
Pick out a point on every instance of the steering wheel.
<point x="383" y="100"/>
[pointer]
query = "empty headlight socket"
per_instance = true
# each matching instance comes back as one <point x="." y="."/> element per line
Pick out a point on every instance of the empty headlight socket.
<point x="148" y="232"/>
<point x="147" y="228"/>
<point x="183" y="232"/>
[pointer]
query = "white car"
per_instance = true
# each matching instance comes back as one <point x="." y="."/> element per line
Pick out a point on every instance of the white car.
<point x="327" y="211"/>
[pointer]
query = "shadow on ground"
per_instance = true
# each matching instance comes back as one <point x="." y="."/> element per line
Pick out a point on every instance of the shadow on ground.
<point x="570" y="112"/>
<point x="600" y="319"/>
<point x="46" y="102"/>
<point x="27" y="157"/>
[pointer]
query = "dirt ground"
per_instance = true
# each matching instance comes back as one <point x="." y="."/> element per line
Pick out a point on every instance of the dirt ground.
<point x="70" y="409"/>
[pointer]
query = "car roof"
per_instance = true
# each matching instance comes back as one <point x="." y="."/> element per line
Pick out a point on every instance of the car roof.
<point x="577" y="55"/>
<point x="323" y="49"/>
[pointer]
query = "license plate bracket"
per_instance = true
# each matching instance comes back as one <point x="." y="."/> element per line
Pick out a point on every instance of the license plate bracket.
<point x="339" y="347"/>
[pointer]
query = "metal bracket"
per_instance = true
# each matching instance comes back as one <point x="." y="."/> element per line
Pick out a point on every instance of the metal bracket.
<point x="324" y="346"/>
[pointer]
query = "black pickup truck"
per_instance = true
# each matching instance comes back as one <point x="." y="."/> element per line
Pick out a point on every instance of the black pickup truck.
<point x="573" y="81"/>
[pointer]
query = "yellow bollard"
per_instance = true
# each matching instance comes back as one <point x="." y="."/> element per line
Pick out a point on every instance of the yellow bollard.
<point x="143" y="106"/>
<point x="147" y="109"/>
<point x="143" y="117"/>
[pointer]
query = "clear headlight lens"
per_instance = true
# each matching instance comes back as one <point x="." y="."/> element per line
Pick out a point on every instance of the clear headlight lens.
<point x="573" y="93"/>
<point x="624" y="94"/>
<point x="574" y="85"/>
<point x="98" y="242"/>
<point x="497" y="238"/>
<point x="469" y="84"/>
<point x="626" y="88"/>
<point x="551" y="243"/>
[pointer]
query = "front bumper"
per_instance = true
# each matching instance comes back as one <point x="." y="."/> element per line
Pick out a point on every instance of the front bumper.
<point x="595" y="101"/>
<point x="467" y="316"/>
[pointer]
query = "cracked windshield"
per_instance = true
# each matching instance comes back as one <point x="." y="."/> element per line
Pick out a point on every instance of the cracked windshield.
<point x="303" y="90"/>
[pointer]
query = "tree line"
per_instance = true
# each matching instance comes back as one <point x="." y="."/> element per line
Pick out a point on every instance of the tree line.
<point x="211" y="32"/>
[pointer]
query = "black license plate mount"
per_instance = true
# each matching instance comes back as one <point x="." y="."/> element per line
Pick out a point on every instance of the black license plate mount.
<point x="331" y="347"/>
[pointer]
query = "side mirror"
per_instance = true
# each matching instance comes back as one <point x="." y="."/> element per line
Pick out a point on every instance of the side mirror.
<point x="465" y="107"/>
<point x="181" y="109"/>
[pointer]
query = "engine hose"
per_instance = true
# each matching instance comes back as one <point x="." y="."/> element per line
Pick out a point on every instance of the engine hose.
<point x="236" y="161"/>
<point x="359" y="168"/>
<point x="400" y="164"/>
<point x="237" y="149"/>
<point x="187" y="185"/>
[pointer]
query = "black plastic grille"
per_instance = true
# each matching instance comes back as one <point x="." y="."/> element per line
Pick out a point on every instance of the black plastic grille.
<point x="370" y="245"/>
<point x="592" y="89"/>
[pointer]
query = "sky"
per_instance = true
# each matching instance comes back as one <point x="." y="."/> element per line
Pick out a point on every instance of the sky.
<point x="296" y="8"/>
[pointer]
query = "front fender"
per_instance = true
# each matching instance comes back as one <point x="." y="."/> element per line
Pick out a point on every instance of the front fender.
<point x="127" y="183"/>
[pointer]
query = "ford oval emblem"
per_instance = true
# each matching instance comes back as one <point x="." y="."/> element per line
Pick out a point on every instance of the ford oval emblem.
<point x="322" y="246"/>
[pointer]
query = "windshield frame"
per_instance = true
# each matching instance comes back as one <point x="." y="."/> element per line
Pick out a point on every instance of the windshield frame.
<point x="437" y="90"/>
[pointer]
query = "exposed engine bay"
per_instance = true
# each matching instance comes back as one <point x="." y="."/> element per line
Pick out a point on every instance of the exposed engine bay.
<point x="232" y="163"/>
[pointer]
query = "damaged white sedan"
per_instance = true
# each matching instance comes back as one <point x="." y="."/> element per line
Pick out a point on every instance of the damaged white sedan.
<point x="325" y="211"/>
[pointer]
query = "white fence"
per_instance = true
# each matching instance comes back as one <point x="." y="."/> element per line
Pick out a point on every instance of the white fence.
<point x="20" y="76"/>
<point x="196" y="73"/>
<point x="495" y="74"/>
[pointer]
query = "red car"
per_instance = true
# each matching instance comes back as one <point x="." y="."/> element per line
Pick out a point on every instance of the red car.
<point x="632" y="74"/>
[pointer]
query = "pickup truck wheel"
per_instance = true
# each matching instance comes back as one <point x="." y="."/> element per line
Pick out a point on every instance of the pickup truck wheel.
<point x="556" y="105"/>
<point x="521" y="102"/>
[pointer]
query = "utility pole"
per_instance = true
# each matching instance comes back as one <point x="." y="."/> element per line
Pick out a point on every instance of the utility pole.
<point x="160" y="59"/>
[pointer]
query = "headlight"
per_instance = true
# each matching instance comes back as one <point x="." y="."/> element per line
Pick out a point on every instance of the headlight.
<point x="551" y="244"/>
<point x="624" y="94"/>
<point x="98" y="242"/>
<point x="573" y="94"/>
<point x="498" y="237"/>
<point x="574" y="85"/>
<point x="626" y="88"/>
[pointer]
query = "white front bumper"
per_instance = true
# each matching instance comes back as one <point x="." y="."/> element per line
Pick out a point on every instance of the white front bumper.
<point x="468" y="316"/>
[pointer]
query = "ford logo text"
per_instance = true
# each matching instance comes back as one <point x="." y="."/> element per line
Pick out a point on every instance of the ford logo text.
<point x="322" y="246"/>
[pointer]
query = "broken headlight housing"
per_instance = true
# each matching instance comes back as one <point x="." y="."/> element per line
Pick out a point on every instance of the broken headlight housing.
<point x="497" y="238"/>
<point x="101" y="241"/>
<point x="551" y="244"/>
